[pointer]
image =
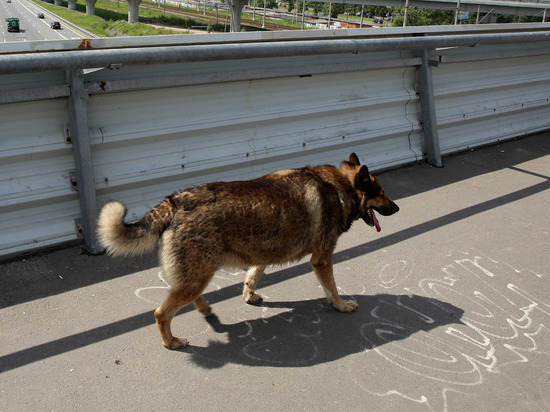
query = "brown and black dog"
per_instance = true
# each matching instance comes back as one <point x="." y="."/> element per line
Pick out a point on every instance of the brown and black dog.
<point x="277" y="218"/>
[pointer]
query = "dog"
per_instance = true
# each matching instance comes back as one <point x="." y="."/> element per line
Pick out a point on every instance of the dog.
<point x="275" y="219"/>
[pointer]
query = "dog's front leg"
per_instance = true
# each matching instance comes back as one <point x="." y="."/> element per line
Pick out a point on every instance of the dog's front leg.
<point x="252" y="278"/>
<point x="322" y="265"/>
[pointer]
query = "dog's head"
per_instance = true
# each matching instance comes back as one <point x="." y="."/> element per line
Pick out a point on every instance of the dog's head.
<point x="371" y="194"/>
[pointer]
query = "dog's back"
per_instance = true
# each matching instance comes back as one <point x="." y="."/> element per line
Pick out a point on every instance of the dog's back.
<point x="277" y="218"/>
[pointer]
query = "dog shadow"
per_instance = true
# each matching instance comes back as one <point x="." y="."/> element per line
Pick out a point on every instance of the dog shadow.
<point x="313" y="332"/>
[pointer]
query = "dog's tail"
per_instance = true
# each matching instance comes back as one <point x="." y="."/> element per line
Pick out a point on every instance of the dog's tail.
<point x="124" y="239"/>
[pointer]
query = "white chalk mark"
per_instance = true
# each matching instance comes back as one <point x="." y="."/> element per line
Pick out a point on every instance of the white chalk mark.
<point x="138" y="291"/>
<point x="391" y="275"/>
<point x="248" y="333"/>
<point x="274" y="351"/>
<point x="497" y="329"/>
<point x="503" y="324"/>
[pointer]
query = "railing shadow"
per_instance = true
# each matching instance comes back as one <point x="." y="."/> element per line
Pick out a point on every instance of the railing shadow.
<point x="311" y="332"/>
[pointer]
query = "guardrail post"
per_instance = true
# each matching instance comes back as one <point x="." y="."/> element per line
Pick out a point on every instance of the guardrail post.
<point x="427" y="109"/>
<point x="85" y="185"/>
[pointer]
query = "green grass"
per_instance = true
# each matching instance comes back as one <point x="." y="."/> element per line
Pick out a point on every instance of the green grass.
<point x="111" y="18"/>
<point x="75" y="16"/>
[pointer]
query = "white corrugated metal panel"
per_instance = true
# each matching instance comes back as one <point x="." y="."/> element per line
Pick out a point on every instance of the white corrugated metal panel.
<point x="25" y="81"/>
<point x="158" y="128"/>
<point x="483" y="101"/>
<point x="37" y="206"/>
<point x="239" y="130"/>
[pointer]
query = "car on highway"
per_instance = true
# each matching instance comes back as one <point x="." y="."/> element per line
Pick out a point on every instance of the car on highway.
<point x="55" y="25"/>
<point x="40" y="15"/>
<point x="13" y="23"/>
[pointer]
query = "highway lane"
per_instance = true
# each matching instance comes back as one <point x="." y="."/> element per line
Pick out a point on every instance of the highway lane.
<point x="32" y="28"/>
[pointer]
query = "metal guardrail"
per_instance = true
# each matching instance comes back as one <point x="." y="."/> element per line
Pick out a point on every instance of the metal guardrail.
<point x="137" y="122"/>
<point x="85" y="59"/>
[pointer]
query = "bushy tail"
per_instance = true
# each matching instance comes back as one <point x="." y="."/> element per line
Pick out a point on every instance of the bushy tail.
<point x="119" y="238"/>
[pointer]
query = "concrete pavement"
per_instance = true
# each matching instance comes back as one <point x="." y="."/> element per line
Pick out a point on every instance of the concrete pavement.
<point x="454" y="312"/>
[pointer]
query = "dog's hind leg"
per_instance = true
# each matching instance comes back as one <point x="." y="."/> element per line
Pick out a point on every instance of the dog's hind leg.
<point x="202" y="306"/>
<point x="252" y="278"/>
<point x="177" y="299"/>
<point x="322" y="265"/>
<point x="164" y="314"/>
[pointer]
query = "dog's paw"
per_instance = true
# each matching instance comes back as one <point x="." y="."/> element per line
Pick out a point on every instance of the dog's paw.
<point x="176" y="343"/>
<point x="207" y="312"/>
<point x="206" y="309"/>
<point x="346" y="306"/>
<point x="253" y="299"/>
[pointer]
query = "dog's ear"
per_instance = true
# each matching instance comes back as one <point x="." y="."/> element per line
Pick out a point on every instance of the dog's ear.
<point x="354" y="159"/>
<point x="362" y="178"/>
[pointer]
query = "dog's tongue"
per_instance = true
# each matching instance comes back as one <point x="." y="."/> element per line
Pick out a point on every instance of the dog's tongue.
<point x="375" y="220"/>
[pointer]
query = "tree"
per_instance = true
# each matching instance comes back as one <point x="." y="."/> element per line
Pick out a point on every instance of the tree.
<point x="423" y="17"/>
<point x="315" y="6"/>
<point x="270" y="4"/>
<point x="379" y="10"/>
<point x="335" y="10"/>
<point x="508" y="18"/>
<point x="291" y="5"/>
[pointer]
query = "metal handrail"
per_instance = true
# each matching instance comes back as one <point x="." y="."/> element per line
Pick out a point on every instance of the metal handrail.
<point x="86" y="59"/>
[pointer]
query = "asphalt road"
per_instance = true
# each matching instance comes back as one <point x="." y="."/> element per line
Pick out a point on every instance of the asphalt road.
<point x="454" y="312"/>
<point x="32" y="28"/>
